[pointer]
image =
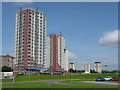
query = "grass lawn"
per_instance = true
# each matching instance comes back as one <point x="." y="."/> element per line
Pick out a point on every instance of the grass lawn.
<point x="49" y="85"/>
<point x="72" y="83"/>
<point x="55" y="77"/>
<point x="37" y="85"/>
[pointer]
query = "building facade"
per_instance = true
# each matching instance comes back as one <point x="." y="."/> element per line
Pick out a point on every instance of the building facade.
<point x="98" y="67"/>
<point x="30" y="39"/>
<point x="72" y="66"/>
<point x="87" y="68"/>
<point x="6" y="60"/>
<point x="57" y="53"/>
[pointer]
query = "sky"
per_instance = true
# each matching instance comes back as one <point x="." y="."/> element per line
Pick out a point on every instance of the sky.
<point x="90" y="29"/>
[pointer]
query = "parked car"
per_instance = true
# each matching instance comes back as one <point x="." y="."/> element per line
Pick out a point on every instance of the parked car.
<point x="100" y="79"/>
<point x="114" y="79"/>
<point x="108" y="78"/>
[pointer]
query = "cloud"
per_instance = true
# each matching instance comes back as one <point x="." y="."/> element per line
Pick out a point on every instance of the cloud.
<point x="18" y="0"/>
<point x="110" y="64"/>
<point x="22" y="3"/>
<point x="72" y="56"/>
<point x="110" y="38"/>
<point x="77" y="60"/>
<point x="68" y="0"/>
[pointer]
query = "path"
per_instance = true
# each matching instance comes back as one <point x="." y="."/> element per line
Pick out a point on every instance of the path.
<point x="100" y="83"/>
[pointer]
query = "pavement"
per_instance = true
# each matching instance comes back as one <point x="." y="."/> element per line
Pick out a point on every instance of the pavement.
<point x="52" y="81"/>
<point x="100" y="83"/>
<point x="47" y="81"/>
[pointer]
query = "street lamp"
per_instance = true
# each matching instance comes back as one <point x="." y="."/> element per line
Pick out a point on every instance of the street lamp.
<point x="106" y="67"/>
<point x="13" y="74"/>
<point x="38" y="71"/>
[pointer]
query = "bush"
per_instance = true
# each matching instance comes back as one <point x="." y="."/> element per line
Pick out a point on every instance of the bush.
<point x="6" y="69"/>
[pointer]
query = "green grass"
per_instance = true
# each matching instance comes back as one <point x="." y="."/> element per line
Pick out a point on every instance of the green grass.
<point x="74" y="82"/>
<point x="55" y="77"/>
<point x="36" y="85"/>
<point x="0" y="84"/>
<point x="49" y="85"/>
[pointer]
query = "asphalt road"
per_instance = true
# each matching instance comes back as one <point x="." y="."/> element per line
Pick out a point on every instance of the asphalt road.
<point x="53" y="81"/>
<point x="47" y="81"/>
<point x="99" y="82"/>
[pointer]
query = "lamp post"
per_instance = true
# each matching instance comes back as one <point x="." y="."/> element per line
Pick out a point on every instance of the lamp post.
<point x="13" y="75"/>
<point x="106" y="68"/>
<point x="38" y="71"/>
<point x="14" y="66"/>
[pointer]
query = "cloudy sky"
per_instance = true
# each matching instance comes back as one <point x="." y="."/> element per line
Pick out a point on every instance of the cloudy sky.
<point x="90" y="29"/>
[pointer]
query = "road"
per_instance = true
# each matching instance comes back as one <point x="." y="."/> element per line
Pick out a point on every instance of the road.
<point x="100" y="83"/>
<point x="57" y="82"/>
<point x="47" y="81"/>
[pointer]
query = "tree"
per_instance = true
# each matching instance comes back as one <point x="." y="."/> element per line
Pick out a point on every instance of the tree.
<point x="6" y="69"/>
<point x="72" y="71"/>
<point x="80" y="71"/>
<point x="92" y="71"/>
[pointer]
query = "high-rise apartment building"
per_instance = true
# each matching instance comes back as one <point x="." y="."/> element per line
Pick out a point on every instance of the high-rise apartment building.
<point x="30" y="39"/>
<point x="98" y="67"/>
<point x="87" y="68"/>
<point x="72" y="66"/>
<point x="57" y="53"/>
